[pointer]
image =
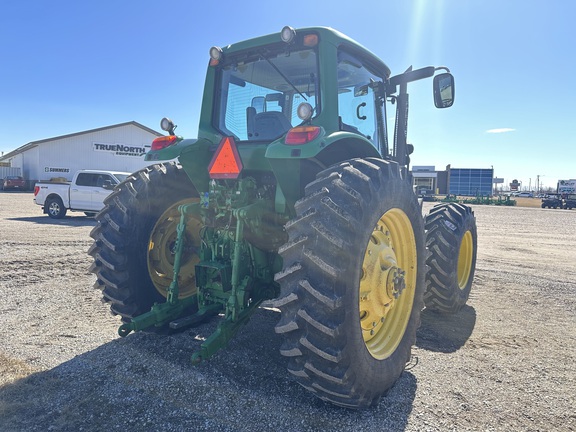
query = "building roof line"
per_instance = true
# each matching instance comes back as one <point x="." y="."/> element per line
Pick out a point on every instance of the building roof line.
<point x="33" y="144"/>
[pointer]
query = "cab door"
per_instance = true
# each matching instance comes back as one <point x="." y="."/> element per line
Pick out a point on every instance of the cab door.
<point x="360" y="107"/>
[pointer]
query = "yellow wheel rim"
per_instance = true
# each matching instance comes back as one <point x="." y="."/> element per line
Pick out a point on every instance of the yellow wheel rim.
<point x="465" y="259"/>
<point x="162" y="248"/>
<point x="388" y="283"/>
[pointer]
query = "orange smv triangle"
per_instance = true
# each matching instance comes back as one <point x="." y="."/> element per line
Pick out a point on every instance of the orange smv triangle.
<point x="226" y="163"/>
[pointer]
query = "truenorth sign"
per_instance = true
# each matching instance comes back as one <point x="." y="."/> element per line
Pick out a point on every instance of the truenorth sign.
<point x="121" y="149"/>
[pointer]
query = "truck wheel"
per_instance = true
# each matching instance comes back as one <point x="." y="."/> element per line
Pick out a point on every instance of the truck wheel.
<point x="352" y="282"/>
<point x="55" y="208"/>
<point x="134" y="240"/>
<point x="452" y="242"/>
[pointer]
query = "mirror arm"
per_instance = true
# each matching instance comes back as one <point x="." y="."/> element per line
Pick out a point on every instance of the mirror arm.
<point x="409" y="76"/>
<point x="401" y="128"/>
<point x="442" y="68"/>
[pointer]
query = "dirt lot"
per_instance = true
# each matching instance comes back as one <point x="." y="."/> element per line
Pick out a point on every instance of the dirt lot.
<point x="505" y="362"/>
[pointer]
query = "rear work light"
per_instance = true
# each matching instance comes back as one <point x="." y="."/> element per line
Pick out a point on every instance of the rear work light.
<point x="163" y="142"/>
<point x="226" y="163"/>
<point x="301" y="135"/>
<point x="215" y="55"/>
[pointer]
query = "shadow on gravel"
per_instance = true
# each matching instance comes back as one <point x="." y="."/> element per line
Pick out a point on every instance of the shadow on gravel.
<point x="445" y="333"/>
<point x="68" y="220"/>
<point x="146" y="382"/>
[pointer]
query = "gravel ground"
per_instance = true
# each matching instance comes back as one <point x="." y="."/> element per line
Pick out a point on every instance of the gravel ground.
<point x="504" y="362"/>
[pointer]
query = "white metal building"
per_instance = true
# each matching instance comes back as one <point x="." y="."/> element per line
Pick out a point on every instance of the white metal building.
<point x="119" y="147"/>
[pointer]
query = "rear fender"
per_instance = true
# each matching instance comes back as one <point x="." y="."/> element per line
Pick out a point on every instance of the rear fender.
<point x="350" y="143"/>
<point x="193" y="154"/>
<point x="295" y="166"/>
<point x="170" y="152"/>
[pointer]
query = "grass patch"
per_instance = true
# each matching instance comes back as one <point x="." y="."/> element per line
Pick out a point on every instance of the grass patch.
<point x="13" y="369"/>
<point x="527" y="202"/>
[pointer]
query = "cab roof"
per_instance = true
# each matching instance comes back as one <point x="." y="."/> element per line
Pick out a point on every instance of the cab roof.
<point x="325" y="34"/>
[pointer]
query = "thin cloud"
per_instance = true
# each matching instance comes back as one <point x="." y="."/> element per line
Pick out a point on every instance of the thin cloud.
<point x="500" y="130"/>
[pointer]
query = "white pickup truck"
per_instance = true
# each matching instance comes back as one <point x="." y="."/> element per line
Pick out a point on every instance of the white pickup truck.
<point x="85" y="193"/>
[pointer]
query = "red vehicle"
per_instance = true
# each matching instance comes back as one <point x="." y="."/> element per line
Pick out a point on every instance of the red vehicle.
<point x="13" y="182"/>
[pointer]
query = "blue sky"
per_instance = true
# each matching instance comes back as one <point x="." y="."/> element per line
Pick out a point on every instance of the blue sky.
<point x="69" y="66"/>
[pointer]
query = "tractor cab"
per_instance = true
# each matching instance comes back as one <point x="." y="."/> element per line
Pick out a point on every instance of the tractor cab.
<point x="280" y="90"/>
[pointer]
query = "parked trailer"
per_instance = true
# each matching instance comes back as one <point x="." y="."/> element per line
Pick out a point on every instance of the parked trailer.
<point x="9" y="171"/>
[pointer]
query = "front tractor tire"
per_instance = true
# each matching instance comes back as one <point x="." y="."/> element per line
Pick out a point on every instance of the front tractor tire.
<point x="134" y="240"/>
<point x="451" y="238"/>
<point x="352" y="282"/>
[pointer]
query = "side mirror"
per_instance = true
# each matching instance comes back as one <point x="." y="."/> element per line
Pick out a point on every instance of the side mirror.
<point x="444" y="90"/>
<point x="108" y="185"/>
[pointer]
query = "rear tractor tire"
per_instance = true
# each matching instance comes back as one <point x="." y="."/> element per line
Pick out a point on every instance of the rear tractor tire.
<point x="352" y="282"/>
<point x="134" y="240"/>
<point x="451" y="238"/>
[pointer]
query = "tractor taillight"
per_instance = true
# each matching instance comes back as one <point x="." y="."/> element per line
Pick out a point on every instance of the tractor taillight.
<point x="226" y="163"/>
<point x="163" y="142"/>
<point x="301" y="135"/>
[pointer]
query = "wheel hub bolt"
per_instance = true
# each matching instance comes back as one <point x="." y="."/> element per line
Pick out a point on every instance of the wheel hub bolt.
<point x="396" y="282"/>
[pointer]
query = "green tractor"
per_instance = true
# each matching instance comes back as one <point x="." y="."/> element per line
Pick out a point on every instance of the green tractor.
<point x="291" y="194"/>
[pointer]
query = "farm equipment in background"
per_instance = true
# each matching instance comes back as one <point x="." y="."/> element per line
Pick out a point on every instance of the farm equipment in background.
<point x="426" y="194"/>
<point x="500" y="200"/>
<point x="552" y="201"/>
<point x="569" y="201"/>
<point x="291" y="193"/>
